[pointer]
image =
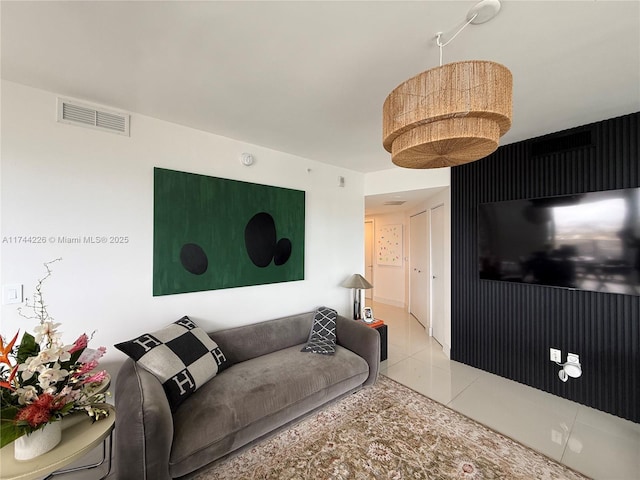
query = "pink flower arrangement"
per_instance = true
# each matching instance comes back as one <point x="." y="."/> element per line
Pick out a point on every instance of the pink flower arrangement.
<point x="42" y="380"/>
<point x="80" y="344"/>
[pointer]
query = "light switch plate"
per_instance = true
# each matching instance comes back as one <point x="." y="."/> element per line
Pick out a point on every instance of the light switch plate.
<point x="555" y="355"/>
<point x="11" y="294"/>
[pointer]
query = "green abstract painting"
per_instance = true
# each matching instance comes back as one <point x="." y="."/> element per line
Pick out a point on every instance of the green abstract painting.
<point x="211" y="233"/>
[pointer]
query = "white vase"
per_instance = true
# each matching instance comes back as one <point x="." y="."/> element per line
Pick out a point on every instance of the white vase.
<point x="36" y="443"/>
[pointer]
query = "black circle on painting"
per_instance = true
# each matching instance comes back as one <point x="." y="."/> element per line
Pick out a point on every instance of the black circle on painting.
<point x="283" y="251"/>
<point x="260" y="239"/>
<point x="193" y="258"/>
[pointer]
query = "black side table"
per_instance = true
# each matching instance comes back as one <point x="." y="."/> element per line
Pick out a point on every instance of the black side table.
<point x="382" y="328"/>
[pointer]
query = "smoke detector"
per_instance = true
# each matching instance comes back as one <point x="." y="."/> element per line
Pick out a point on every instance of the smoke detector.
<point x="246" y="159"/>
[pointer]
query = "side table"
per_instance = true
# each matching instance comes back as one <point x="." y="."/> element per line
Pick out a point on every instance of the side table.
<point x="79" y="437"/>
<point x="380" y="326"/>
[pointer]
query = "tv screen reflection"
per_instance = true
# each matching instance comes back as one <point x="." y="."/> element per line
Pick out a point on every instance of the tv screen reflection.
<point x="589" y="241"/>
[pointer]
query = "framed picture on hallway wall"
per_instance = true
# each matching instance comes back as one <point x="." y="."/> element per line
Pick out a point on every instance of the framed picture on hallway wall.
<point x="389" y="245"/>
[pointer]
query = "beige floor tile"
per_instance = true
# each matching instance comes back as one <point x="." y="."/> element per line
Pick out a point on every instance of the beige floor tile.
<point x="537" y="419"/>
<point x="436" y="383"/>
<point x="395" y="353"/>
<point x="592" y="442"/>
<point x="433" y="355"/>
<point x="605" y="446"/>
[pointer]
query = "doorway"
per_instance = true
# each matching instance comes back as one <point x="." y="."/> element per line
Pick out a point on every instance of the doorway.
<point x="437" y="242"/>
<point x="368" y="257"/>
<point x="418" y="268"/>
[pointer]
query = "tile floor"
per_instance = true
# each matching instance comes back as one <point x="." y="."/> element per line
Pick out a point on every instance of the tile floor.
<point x="597" y="444"/>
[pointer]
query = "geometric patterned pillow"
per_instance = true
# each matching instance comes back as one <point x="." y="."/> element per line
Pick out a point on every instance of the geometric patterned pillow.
<point x="181" y="356"/>
<point x="322" y="338"/>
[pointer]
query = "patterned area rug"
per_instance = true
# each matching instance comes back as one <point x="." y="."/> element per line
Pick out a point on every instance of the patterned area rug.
<point x="387" y="431"/>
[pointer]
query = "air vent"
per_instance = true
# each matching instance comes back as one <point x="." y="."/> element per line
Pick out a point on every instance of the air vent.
<point x="75" y="113"/>
<point x="561" y="143"/>
<point x="395" y="202"/>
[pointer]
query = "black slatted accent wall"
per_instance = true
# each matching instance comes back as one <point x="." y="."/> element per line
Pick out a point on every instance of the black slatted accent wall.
<point x="508" y="328"/>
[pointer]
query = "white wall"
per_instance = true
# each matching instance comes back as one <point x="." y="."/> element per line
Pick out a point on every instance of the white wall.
<point x="389" y="282"/>
<point x="63" y="180"/>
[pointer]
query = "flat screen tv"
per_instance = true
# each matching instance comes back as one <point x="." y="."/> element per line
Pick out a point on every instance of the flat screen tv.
<point x="588" y="241"/>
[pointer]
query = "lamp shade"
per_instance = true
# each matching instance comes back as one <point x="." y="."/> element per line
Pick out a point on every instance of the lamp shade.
<point x="356" y="281"/>
<point x="449" y="115"/>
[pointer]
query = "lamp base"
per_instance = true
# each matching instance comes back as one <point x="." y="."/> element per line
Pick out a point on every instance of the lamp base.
<point x="356" y="306"/>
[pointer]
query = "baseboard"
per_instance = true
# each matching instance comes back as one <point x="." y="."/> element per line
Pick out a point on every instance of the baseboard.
<point x="387" y="301"/>
<point x="447" y="351"/>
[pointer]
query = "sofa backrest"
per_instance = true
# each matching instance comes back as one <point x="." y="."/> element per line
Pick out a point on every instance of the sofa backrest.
<point x="250" y="341"/>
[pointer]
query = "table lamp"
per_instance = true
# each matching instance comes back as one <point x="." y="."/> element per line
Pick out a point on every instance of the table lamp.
<point x="358" y="283"/>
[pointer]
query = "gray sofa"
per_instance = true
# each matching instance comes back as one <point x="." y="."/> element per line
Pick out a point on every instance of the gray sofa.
<point x="270" y="383"/>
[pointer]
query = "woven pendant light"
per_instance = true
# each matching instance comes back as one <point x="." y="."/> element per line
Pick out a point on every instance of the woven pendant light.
<point x="449" y="115"/>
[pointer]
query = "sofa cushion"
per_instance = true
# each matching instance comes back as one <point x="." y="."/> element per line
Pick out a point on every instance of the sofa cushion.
<point x="254" y="397"/>
<point x="182" y="356"/>
<point x="258" y="339"/>
<point x="322" y="338"/>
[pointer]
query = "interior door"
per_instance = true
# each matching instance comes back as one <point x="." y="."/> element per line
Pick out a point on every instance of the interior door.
<point x="418" y="264"/>
<point x="368" y="257"/>
<point x="436" y="233"/>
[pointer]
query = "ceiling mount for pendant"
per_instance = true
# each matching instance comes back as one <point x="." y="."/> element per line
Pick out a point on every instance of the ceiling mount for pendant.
<point x="452" y="114"/>
<point x="483" y="11"/>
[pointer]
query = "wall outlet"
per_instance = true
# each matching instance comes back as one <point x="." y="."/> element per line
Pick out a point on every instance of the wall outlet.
<point x="555" y="355"/>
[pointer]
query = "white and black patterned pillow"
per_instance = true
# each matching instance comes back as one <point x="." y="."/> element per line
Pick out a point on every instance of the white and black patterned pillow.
<point x="182" y="356"/>
<point x="322" y="338"/>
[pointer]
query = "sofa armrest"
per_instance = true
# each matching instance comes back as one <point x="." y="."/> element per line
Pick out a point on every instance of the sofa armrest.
<point x="363" y="340"/>
<point x="144" y="425"/>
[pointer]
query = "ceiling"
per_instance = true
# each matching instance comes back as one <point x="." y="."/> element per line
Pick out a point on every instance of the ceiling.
<point x="388" y="203"/>
<point x="309" y="78"/>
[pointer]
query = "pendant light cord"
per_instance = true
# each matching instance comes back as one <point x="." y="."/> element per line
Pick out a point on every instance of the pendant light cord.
<point x="439" y="35"/>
